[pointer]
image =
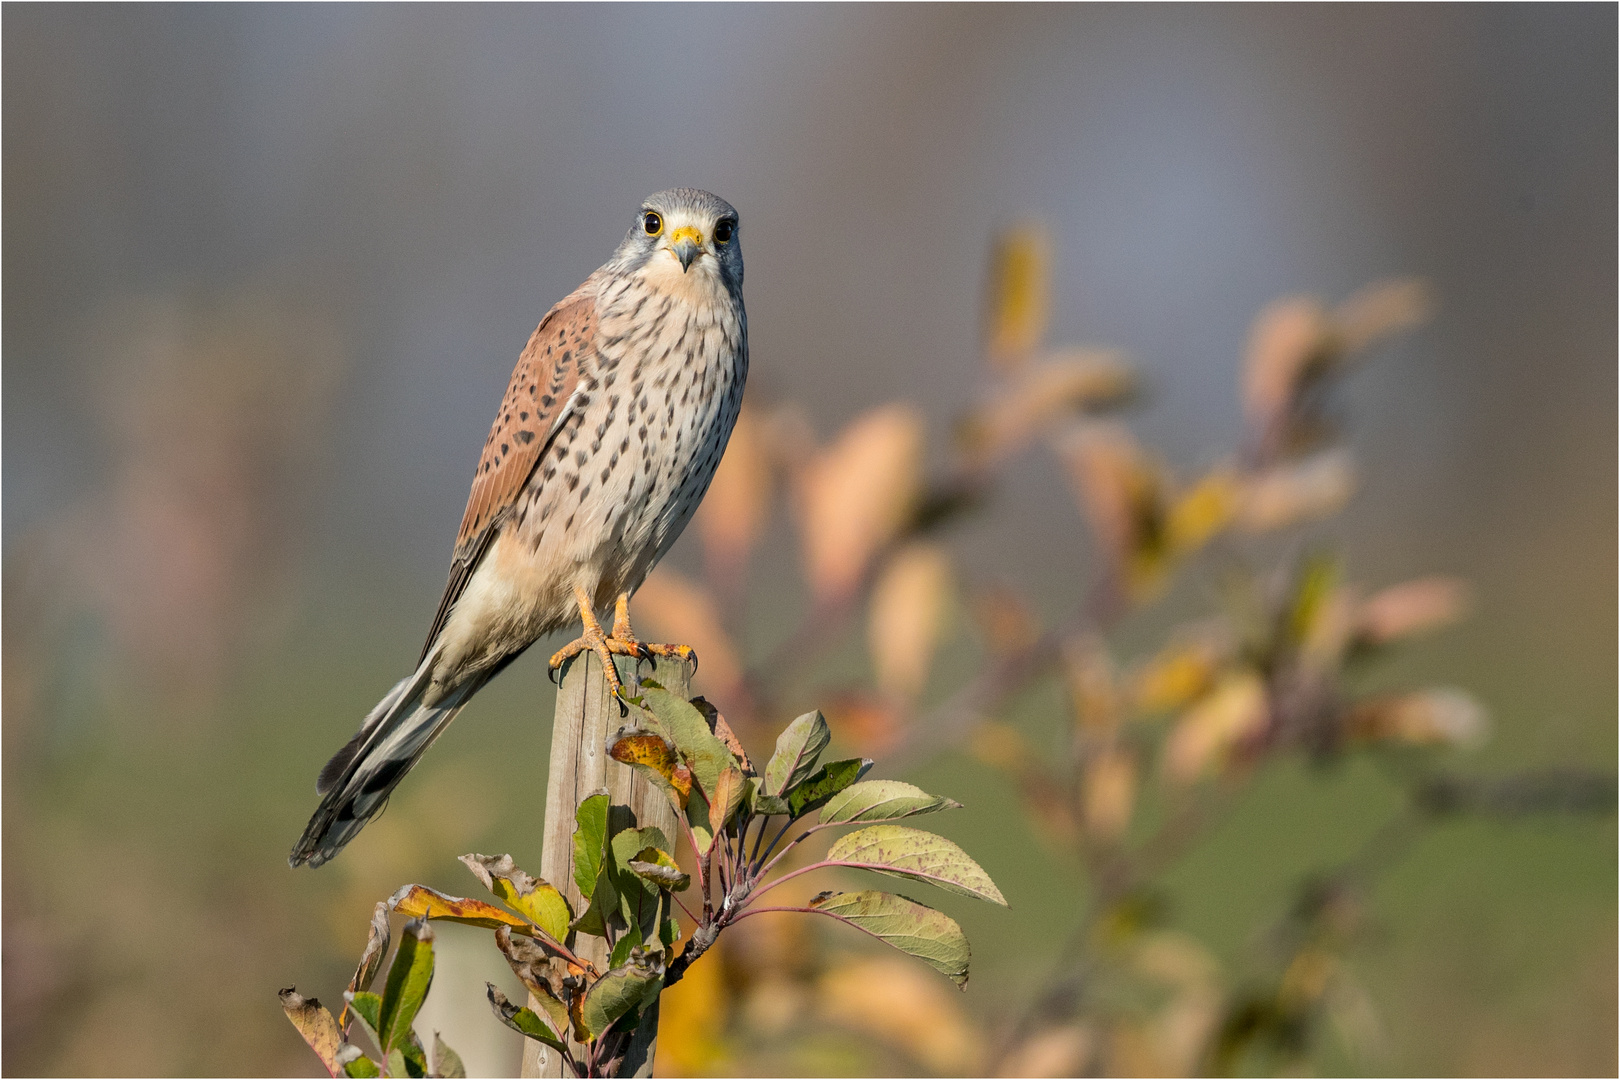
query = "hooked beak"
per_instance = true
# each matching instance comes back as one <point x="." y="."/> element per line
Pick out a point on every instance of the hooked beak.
<point x="686" y="243"/>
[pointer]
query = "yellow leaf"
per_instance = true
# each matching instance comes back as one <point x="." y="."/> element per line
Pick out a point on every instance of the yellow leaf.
<point x="1206" y="733"/>
<point x="855" y="495"/>
<point x="1180" y="673"/>
<point x="652" y="751"/>
<point x="1020" y="298"/>
<point x="909" y="606"/>
<point x="421" y="902"/>
<point x="1202" y="511"/>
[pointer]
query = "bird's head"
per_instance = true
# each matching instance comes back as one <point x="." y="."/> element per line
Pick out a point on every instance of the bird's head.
<point x="683" y="232"/>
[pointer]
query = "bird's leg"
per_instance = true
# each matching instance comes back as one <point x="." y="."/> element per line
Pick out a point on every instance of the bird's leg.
<point x="603" y="645"/>
<point x="622" y="632"/>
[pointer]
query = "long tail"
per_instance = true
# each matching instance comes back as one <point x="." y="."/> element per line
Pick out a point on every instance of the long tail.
<point x="356" y="782"/>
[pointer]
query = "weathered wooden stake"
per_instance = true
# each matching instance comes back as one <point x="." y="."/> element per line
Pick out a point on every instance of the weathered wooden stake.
<point x="587" y="713"/>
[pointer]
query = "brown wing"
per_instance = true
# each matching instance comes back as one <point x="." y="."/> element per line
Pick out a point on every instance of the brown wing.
<point x="534" y="408"/>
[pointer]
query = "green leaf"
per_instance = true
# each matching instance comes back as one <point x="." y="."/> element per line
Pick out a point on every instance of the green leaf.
<point x="408" y="982"/>
<point x="629" y="843"/>
<point x="396" y="1063"/>
<point x="533" y="898"/>
<point x="630" y="939"/>
<point x="416" y="1062"/>
<point x="669" y="932"/>
<point x="912" y="853"/>
<point x="617" y="993"/>
<point x="796" y="751"/>
<point x="590" y="842"/>
<point x="360" y="1065"/>
<point x="682" y="724"/>
<point x="697" y="821"/>
<point x="446" y="1062"/>
<point x="769" y="804"/>
<point x="882" y="800"/>
<point x="315" y="1023"/>
<point x="604" y="902"/>
<point x="929" y="935"/>
<point x="824" y="783"/>
<point x="367" y="1008"/>
<point x="660" y="869"/>
<point x="523" y="1021"/>
<point x="638" y="900"/>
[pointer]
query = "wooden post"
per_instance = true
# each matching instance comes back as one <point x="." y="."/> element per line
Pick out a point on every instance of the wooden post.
<point x="587" y="713"/>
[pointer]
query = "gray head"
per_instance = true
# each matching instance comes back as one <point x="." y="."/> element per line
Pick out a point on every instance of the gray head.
<point x="692" y="228"/>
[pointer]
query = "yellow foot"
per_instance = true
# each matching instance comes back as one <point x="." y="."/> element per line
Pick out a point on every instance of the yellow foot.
<point x="605" y="648"/>
<point x="622" y="631"/>
<point x="682" y="652"/>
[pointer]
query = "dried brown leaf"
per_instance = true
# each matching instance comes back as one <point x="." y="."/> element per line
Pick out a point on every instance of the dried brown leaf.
<point x="723" y="732"/>
<point x="315" y="1023"/>
<point x="365" y="973"/>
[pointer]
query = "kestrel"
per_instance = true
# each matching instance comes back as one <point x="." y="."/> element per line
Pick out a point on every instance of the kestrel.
<point x="607" y="438"/>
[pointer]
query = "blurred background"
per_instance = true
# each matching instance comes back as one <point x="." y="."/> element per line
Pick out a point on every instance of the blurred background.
<point x="266" y="271"/>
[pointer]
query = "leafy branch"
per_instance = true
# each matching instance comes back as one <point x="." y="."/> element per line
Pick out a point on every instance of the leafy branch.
<point x="630" y="880"/>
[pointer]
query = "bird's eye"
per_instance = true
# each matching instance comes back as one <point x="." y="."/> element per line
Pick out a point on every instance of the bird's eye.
<point x="722" y="231"/>
<point x="652" y="223"/>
